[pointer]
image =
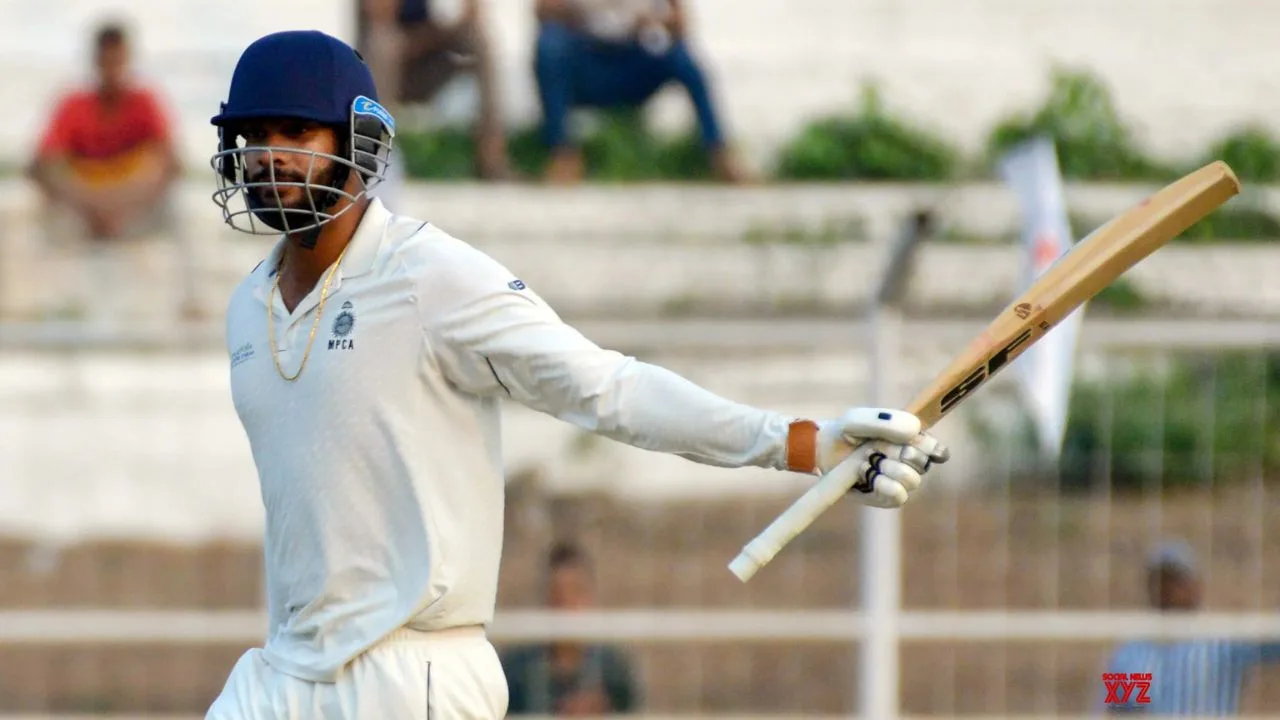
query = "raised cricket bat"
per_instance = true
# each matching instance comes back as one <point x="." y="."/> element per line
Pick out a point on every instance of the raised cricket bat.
<point x="1090" y="265"/>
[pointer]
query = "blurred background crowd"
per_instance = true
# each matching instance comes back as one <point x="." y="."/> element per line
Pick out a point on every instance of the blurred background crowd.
<point x="714" y="185"/>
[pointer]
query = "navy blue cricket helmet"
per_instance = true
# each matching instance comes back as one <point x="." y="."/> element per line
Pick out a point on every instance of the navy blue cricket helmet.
<point x="310" y="76"/>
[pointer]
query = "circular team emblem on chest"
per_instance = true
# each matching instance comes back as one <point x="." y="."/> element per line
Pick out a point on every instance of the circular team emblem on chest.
<point x="345" y="321"/>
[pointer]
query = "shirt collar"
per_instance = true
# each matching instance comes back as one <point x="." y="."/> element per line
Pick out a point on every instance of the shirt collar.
<point x="367" y="240"/>
<point x="362" y="249"/>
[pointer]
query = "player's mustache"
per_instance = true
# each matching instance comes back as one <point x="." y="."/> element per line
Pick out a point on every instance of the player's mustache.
<point x="279" y="176"/>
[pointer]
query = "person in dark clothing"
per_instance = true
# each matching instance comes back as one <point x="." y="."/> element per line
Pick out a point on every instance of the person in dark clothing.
<point x="570" y="678"/>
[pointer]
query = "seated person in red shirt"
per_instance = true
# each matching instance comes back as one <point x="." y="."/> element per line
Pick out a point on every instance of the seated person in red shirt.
<point x="107" y="152"/>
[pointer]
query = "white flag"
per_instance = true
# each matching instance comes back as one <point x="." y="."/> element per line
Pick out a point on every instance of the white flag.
<point x="1045" y="371"/>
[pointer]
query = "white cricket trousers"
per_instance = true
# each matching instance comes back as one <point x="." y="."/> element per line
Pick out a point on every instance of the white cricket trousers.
<point x="449" y="675"/>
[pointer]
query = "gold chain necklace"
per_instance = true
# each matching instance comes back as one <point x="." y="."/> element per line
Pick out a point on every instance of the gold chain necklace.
<point x="271" y="325"/>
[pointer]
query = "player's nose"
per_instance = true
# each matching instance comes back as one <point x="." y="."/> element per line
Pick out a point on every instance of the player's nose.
<point x="263" y="159"/>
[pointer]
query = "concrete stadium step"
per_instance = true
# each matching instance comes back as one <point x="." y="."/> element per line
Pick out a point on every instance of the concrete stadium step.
<point x="685" y="213"/>
<point x="671" y="250"/>
<point x="138" y="420"/>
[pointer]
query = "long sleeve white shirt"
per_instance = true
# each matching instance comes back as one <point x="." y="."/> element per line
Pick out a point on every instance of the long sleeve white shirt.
<point x="381" y="466"/>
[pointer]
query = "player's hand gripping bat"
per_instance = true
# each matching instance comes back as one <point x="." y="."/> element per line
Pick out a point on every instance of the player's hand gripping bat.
<point x="1090" y="265"/>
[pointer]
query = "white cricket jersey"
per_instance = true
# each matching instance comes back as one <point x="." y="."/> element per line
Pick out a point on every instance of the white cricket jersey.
<point x="381" y="466"/>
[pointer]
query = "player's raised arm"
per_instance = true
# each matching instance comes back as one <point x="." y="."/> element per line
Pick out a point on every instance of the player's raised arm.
<point x="492" y="335"/>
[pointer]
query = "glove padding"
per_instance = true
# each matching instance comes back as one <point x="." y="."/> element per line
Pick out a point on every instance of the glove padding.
<point x="891" y="452"/>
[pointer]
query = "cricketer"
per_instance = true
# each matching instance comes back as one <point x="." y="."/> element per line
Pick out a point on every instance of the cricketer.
<point x="369" y="356"/>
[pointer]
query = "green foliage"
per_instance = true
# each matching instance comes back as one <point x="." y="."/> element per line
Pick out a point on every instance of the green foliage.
<point x="445" y="154"/>
<point x="1203" y="420"/>
<point x="618" y="149"/>
<point x="871" y="145"/>
<point x="622" y="149"/>
<point x="527" y="151"/>
<point x="1252" y="152"/>
<point x="1092" y="141"/>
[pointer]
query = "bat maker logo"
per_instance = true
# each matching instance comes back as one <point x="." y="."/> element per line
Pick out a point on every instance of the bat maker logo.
<point x="1124" y="688"/>
<point x="986" y="370"/>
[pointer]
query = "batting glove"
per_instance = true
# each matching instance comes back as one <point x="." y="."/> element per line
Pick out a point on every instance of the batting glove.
<point x="890" y="452"/>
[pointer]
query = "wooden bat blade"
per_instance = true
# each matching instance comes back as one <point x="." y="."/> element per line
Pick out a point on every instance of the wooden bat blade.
<point x="1080" y="274"/>
<point x="1077" y="276"/>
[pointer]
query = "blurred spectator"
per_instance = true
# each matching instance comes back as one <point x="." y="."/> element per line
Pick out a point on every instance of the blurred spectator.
<point x="1200" y="677"/>
<point x="567" y="678"/>
<point x="107" y="156"/>
<point x="413" y="55"/>
<point x="617" y="54"/>
<point x="106" y="152"/>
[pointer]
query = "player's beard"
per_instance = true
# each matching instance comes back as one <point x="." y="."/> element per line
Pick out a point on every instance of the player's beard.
<point x="300" y="204"/>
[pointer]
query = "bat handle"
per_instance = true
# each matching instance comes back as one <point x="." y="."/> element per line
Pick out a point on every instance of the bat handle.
<point x="828" y="491"/>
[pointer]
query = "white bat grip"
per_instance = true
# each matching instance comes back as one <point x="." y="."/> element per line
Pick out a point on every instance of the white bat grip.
<point x="828" y="491"/>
